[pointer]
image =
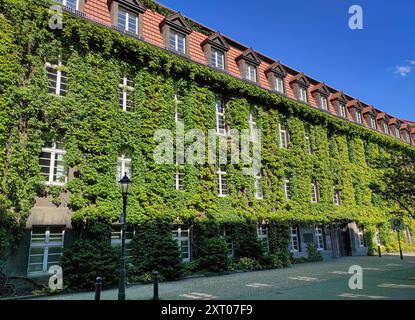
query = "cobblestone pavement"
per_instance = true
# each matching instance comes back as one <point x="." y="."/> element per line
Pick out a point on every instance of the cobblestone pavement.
<point x="383" y="278"/>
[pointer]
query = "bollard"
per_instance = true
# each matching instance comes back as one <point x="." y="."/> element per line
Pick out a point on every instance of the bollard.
<point x="379" y="252"/>
<point x="98" y="288"/>
<point x="155" y="285"/>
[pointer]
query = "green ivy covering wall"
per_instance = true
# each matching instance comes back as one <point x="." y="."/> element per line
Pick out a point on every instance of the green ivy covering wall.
<point x="88" y="119"/>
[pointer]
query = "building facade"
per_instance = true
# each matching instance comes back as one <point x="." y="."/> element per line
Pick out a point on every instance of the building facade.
<point x="318" y="143"/>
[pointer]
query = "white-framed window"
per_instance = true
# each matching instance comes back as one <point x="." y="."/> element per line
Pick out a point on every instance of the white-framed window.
<point x="287" y="189"/>
<point x="46" y="247"/>
<point x="57" y="78"/>
<point x="252" y="122"/>
<point x="177" y="42"/>
<point x="52" y="163"/>
<point x="126" y="93"/>
<point x="127" y="21"/>
<point x="323" y="102"/>
<point x="116" y="238"/>
<point x="222" y="181"/>
<point x="397" y="132"/>
<point x="294" y="243"/>
<point x="302" y="94"/>
<point x="385" y="127"/>
<point x="308" y="140"/>
<point x="73" y="4"/>
<point x="279" y="84"/>
<point x="336" y="197"/>
<point x="342" y="110"/>
<point x="319" y="237"/>
<point x="124" y="166"/>
<point x="250" y="72"/>
<point x="178" y="112"/>
<point x="179" y="178"/>
<point x="361" y="237"/>
<point x="217" y="58"/>
<point x="373" y="123"/>
<point x="283" y="134"/>
<point x="314" y="192"/>
<point x="182" y="236"/>
<point x="258" y="187"/>
<point x="358" y="116"/>
<point x="262" y="233"/>
<point x="220" y="116"/>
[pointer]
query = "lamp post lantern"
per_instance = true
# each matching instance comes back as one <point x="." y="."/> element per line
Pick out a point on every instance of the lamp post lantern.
<point x="125" y="186"/>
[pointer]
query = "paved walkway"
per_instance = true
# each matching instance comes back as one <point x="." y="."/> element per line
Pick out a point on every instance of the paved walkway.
<point x="383" y="278"/>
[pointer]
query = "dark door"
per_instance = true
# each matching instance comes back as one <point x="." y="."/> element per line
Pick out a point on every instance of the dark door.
<point x="345" y="243"/>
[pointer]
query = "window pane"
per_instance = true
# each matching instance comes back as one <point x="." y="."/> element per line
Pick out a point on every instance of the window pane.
<point x="71" y="3"/>
<point x="122" y="19"/>
<point x="181" y="43"/>
<point x="132" y="23"/>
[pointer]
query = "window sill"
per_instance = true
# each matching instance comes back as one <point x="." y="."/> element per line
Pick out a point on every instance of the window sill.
<point x="56" y="184"/>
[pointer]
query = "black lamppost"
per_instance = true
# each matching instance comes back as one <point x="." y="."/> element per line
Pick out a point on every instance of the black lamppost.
<point x="125" y="186"/>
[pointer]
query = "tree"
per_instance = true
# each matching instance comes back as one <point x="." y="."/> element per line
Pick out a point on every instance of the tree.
<point x="397" y="181"/>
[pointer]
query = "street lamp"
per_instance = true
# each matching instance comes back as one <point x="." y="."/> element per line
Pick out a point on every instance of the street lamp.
<point x="125" y="186"/>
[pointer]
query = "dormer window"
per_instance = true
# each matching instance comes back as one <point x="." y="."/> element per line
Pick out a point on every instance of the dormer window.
<point x="279" y="84"/>
<point x="397" y="132"/>
<point x="339" y="100"/>
<point x="248" y="63"/>
<point x="127" y="15"/>
<point x="217" y="59"/>
<point x="342" y="110"/>
<point x="72" y="4"/>
<point x="176" y="32"/>
<point x="177" y="42"/>
<point x="216" y="48"/>
<point x="276" y="74"/>
<point x="302" y="94"/>
<point x="323" y="103"/>
<point x="250" y="72"/>
<point x="407" y="136"/>
<point x="355" y="108"/>
<point x="127" y="21"/>
<point x="385" y="127"/>
<point x="300" y="85"/>
<point x="320" y="93"/>
<point x="369" y="114"/>
<point x="358" y="116"/>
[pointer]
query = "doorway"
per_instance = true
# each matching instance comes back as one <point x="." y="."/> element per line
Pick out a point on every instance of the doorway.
<point x="345" y="242"/>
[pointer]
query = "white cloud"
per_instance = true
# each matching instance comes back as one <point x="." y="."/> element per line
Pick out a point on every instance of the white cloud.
<point x="403" y="70"/>
<point x="412" y="62"/>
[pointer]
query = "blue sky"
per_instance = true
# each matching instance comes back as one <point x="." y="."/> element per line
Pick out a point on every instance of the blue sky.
<point x="375" y="65"/>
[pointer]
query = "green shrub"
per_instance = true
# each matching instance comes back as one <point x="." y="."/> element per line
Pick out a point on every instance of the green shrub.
<point x="246" y="264"/>
<point x="246" y="243"/>
<point x="190" y="267"/>
<point x="299" y="260"/>
<point x="213" y="254"/>
<point x="278" y="260"/>
<point x="85" y="260"/>
<point x="153" y="249"/>
<point x="313" y="254"/>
